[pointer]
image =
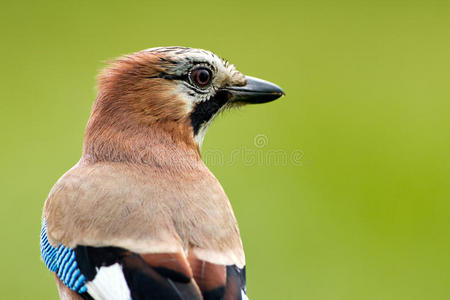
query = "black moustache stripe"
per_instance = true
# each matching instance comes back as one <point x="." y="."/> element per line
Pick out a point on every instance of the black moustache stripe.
<point x="205" y="110"/>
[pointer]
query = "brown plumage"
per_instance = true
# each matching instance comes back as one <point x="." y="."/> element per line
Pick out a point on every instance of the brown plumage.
<point x="141" y="186"/>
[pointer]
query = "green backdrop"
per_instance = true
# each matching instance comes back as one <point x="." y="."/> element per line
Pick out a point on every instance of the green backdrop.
<point x="341" y="188"/>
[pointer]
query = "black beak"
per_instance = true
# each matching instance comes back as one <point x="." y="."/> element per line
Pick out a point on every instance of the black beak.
<point x="255" y="91"/>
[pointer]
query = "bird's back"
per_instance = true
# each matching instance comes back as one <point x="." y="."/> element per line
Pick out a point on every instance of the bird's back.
<point x="143" y="218"/>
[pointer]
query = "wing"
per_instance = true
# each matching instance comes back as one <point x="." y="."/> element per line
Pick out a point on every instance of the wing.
<point x="219" y="281"/>
<point x="117" y="273"/>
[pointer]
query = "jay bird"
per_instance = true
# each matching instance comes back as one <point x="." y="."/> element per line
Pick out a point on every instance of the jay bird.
<point x="140" y="216"/>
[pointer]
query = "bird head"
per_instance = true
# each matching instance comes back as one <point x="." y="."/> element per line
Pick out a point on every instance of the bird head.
<point x="166" y="93"/>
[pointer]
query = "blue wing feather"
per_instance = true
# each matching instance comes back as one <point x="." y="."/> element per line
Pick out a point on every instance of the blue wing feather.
<point x="61" y="260"/>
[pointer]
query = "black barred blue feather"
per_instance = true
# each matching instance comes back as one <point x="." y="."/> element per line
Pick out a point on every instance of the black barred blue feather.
<point x="61" y="260"/>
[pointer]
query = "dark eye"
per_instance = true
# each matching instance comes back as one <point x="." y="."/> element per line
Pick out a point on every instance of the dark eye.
<point x="201" y="76"/>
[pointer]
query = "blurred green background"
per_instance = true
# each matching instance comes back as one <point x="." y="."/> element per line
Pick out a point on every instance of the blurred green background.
<point x="364" y="214"/>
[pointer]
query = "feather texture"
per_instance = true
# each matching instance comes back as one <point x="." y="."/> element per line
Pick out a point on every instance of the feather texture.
<point x="61" y="260"/>
<point x="109" y="284"/>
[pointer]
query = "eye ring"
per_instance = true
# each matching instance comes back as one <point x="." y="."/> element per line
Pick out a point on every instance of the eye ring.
<point x="201" y="76"/>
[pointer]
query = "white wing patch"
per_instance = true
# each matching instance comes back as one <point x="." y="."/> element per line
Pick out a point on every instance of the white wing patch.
<point x="243" y="295"/>
<point x="109" y="284"/>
